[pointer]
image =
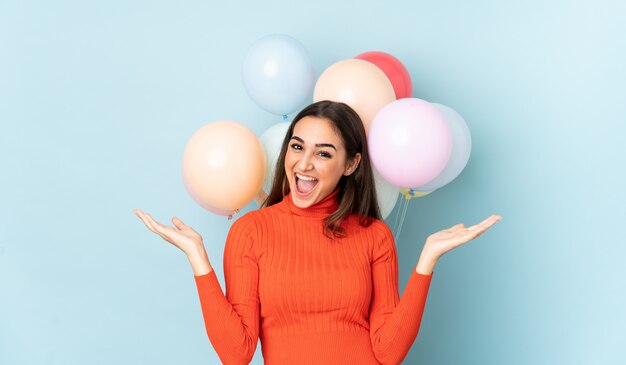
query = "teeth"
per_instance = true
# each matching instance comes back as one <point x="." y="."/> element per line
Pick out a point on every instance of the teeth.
<point x="305" y="177"/>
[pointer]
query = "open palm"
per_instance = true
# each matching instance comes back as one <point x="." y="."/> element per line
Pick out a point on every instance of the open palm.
<point x="447" y="239"/>
<point x="181" y="235"/>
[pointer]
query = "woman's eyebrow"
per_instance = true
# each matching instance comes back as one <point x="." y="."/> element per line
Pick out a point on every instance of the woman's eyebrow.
<point x="316" y="145"/>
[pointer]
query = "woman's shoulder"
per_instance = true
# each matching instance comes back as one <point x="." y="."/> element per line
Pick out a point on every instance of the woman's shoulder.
<point x="267" y="213"/>
<point x="370" y="225"/>
<point x="244" y="222"/>
<point x="257" y="217"/>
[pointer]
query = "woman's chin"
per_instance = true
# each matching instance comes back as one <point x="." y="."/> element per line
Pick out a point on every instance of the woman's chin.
<point x="306" y="200"/>
<point x="304" y="203"/>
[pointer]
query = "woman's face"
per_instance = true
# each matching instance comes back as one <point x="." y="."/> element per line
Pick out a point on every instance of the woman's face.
<point x="317" y="153"/>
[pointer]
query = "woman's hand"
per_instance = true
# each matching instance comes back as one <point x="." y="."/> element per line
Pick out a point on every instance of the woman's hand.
<point x="181" y="235"/>
<point x="441" y="242"/>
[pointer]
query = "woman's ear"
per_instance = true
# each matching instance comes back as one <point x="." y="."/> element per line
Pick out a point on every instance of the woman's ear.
<point x="353" y="165"/>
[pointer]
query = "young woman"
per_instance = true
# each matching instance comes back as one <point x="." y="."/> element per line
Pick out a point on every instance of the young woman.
<point x="314" y="272"/>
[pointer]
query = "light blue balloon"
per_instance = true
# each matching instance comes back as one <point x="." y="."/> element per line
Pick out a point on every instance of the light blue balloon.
<point x="461" y="149"/>
<point x="278" y="74"/>
<point x="272" y="141"/>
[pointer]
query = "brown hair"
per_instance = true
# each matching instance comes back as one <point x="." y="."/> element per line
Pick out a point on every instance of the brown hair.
<point x="358" y="190"/>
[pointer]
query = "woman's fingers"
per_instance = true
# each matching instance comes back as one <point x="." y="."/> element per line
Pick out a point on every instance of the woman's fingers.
<point x="178" y="223"/>
<point x="484" y="225"/>
<point x="145" y="220"/>
<point x="492" y="219"/>
<point x="162" y="229"/>
<point x="153" y="225"/>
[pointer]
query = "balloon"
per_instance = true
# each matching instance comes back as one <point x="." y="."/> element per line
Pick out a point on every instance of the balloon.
<point x="395" y="71"/>
<point x="410" y="142"/>
<point x="358" y="83"/>
<point x="220" y="211"/>
<point x="461" y="148"/>
<point x="278" y="74"/>
<point x="223" y="165"/>
<point x="386" y="194"/>
<point x="203" y="204"/>
<point x="272" y="140"/>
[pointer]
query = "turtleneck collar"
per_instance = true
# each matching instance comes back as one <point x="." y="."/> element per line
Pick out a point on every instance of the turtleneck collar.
<point x="321" y="209"/>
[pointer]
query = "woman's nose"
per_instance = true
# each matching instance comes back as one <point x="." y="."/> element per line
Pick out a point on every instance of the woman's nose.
<point x="305" y="162"/>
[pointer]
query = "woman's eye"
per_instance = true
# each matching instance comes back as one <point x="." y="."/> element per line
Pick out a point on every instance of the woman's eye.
<point x="325" y="154"/>
<point x="296" y="146"/>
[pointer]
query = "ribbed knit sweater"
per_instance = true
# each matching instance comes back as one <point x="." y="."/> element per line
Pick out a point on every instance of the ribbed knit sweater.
<point x="310" y="299"/>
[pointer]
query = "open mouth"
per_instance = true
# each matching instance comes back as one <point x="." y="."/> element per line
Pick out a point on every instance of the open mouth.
<point x="305" y="185"/>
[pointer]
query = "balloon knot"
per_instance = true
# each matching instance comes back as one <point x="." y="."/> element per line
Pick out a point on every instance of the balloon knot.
<point x="285" y="117"/>
<point x="235" y="211"/>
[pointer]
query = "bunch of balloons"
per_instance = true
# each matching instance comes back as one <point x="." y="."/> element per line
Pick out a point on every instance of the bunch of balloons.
<point x="415" y="146"/>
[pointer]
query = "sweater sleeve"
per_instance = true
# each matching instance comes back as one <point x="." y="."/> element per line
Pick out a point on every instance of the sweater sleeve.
<point x="394" y="323"/>
<point x="232" y="321"/>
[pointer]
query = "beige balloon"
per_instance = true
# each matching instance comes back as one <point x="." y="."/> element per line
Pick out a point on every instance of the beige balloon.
<point x="223" y="165"/>
<point x="358" y="83"/>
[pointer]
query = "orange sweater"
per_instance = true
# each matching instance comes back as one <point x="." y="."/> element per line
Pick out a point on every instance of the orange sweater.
<point x="309" y="299"/>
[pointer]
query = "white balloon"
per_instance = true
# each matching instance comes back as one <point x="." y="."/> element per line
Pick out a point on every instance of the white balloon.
<point x="272" y="141"/>
<point x="386" y="193"/>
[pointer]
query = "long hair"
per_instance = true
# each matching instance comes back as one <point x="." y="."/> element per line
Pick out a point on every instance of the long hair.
<point x="357" y="191"/>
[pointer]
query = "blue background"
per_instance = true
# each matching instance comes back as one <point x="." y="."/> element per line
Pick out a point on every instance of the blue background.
<point x="98" y="99"/>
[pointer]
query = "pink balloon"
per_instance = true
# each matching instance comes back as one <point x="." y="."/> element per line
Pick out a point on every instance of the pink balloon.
<point x="410" y="142"/>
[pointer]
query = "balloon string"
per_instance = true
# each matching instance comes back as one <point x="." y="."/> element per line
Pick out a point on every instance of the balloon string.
<point x="399" y="222"/>
<point x="395" y="220"/>
<point x="405" y="206"/>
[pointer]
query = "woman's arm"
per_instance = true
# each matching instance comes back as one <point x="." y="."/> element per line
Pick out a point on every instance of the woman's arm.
<point x="231" y="316"/>
<point x="231" y="319"/>
<point x="394" y="321"/>
<point x="426" y="263"/>
<point x="199" y="261"/>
